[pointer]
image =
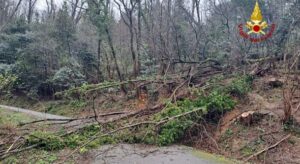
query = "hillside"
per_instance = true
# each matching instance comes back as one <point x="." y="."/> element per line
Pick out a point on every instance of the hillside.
<point x="159" y="81"/>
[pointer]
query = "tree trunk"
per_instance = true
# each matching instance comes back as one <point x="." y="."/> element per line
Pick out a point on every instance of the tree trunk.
<point x="134" y="58"/>
<point x="115" y="59"/>
<point x="139" y="35"/>
<point x="99" y="74"/>
<point x="31" y="4"/>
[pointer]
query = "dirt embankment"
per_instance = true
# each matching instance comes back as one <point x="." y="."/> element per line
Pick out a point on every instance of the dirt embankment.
<point x="266" y="139"/>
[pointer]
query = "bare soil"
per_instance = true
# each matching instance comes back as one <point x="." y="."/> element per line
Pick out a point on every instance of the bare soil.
<point x="241" y="141"/>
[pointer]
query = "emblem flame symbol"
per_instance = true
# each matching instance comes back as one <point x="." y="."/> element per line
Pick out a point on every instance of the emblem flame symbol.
<point x="256" y="25"/>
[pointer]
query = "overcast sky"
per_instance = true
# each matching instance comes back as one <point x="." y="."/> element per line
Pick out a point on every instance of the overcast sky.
<point x="42" y="5"/>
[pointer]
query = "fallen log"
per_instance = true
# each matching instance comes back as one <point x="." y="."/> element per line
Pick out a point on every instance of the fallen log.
<point x="158" y="123"/>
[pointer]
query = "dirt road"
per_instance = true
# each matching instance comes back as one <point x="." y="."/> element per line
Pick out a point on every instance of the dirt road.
<point x="32" y="113"/>
<point x="143" y="154"/>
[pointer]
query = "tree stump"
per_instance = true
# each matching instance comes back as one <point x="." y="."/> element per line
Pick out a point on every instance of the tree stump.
<point x="274" y="82"/>
<point x="247" y="118"/>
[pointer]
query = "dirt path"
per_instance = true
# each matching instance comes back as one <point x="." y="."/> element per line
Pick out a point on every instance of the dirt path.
<point x="142" y="154"/>
<point x="32" y="113"/>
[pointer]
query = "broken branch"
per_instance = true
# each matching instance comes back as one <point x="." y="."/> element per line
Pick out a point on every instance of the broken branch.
<point x="268" y="148"/>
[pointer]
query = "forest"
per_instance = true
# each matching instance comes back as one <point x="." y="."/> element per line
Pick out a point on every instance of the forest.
<point x="79" y="78"/>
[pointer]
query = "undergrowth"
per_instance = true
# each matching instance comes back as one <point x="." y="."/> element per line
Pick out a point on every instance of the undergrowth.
<point x="240" y="86"/>
<point x="50" y="141"/>
<point x="174" y="130"/>
<point x="69" y="108"/>
<point x="292" y="126"/>
<point x="169" y="132"/>
<point x="45" y="140"/>
<point x="178" y="118"/>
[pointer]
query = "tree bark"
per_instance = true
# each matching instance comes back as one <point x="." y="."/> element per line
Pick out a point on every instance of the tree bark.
<point x="110" y="42"/>
<point x="31" y="5"/>
<point x="99" y="74"/>
<point x="129" y="15"/>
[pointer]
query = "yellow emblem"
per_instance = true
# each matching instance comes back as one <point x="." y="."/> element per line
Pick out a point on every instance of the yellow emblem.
<point x="256" y="25"/>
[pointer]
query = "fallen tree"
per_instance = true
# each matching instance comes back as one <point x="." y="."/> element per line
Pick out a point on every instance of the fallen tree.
<point x="77" y="125"/>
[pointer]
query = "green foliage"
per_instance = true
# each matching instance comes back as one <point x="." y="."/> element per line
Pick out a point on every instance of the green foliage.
<point x="12" y="40"/>
<point x="5" y="68"/>
<point x="48" y="159"/>
<point x="19" y="26"/>
<point x="66" y="108"/>
<point x="292" y="126"/>
<point x="88" y="62"/>
<point x="7" y="82"/>
<point x="77" y="139"/>
<point x="34" y="156"/>
<point x="99" y="16"/>
<point x="179" y="116"/>
<point x="49" y="141"/>
<point x="241" y="86"/>
<point x="216" y="101"/>
<point x="31" y="70"/>
<point x="66" y="78"/>
<point x="247" y="7"/>
<point x="228" y="134"/>
<point x="41" y="157"/>
<point x="175" y="129"/>
<point x="85" y="89"/>
<point x="46" y="140"/>
<point x="64" y="28"/>
<point x="247" y="150"/>
<point x="11" y="160"/>
<point x="128" y="136"/>
<point x="77" y="104"/>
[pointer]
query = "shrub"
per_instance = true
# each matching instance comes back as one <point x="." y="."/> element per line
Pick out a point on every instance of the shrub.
<point x="77" y="139"/>
<point x="4" y="68"/>
<point x="74" y="140"/>
<point x="174" y="130"/>
<point x="241" y="86"/>
<point x="77" y="104"/>
<point x="66" y="78"/>
<point x="216" y="101"/>
<point x="7" y="82"/>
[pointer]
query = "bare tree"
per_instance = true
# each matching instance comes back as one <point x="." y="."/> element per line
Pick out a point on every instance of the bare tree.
<point x="50" y="9"/>
<point x="31" y="5"/>
<point x="77" y="8"/>
<point x="128" y="18"/>
<point x="8" y="9"/>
